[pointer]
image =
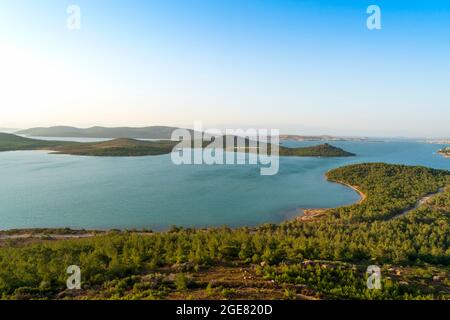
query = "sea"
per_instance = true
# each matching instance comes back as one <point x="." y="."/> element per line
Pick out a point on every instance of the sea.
<point x="39" y="189"/>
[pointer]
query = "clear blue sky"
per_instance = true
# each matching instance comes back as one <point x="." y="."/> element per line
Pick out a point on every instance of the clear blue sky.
<point x="306" y="67"/>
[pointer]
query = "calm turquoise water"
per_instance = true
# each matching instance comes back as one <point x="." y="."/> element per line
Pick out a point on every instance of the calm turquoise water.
<point x="44" y="190"/>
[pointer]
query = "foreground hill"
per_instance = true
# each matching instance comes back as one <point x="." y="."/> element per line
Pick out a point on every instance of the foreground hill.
<point x="324" y="258"/>
<point x="124" y="147"/>
<point x="153" y="132"/>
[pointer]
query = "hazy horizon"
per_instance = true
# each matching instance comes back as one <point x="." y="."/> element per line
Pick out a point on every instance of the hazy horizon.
<point x="302" y="67"/>
<point x="15" y="130"/>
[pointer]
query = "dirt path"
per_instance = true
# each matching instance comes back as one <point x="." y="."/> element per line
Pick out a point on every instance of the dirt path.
<point x="419" y="203"/>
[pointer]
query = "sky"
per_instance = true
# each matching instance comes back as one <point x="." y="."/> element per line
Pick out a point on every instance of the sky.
<point x="304" y="67"/>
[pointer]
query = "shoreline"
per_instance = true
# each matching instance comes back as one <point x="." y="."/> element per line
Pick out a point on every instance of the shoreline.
<point x="362" y="195"/>
<point x="310" y="214"/>
<point x="445" y="155"/>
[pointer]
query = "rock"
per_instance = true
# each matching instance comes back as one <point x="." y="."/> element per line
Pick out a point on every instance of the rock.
<point x="183" y="267"/>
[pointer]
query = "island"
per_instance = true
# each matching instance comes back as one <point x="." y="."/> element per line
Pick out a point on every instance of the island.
<point x="123" y="147"/>
<point x="445" y="152"/>
<point x="436" y="141"/>
<point x="322" y="258"/>
<point x="295" y="137"/>
<point x="323" y="150"/>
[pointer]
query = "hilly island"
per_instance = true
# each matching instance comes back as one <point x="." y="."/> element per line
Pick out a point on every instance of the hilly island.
<point x="131" y="147"/>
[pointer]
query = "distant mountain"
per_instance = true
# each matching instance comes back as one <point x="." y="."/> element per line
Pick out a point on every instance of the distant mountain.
<point x="153" y="132"/>
<point x="293" y="137"/>
<point x="8" y="130"/>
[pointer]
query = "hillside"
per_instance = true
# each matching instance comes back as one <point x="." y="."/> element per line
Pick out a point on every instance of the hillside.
<point x="11" y="142"/>
<point x="323" y="150"/>
<point x="122" y="147"/>
<point x="153" y="132"/>
<point x="324" y="258"/>
<point x="116" y="147"/>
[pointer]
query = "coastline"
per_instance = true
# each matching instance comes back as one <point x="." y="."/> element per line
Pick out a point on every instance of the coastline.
<point x="445" y="155"/>
<point x="310" y="214"/>
<point x="362" y="195"/>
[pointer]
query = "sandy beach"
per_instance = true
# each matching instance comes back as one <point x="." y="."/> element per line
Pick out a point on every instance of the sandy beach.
<point x="309" y="214"/>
